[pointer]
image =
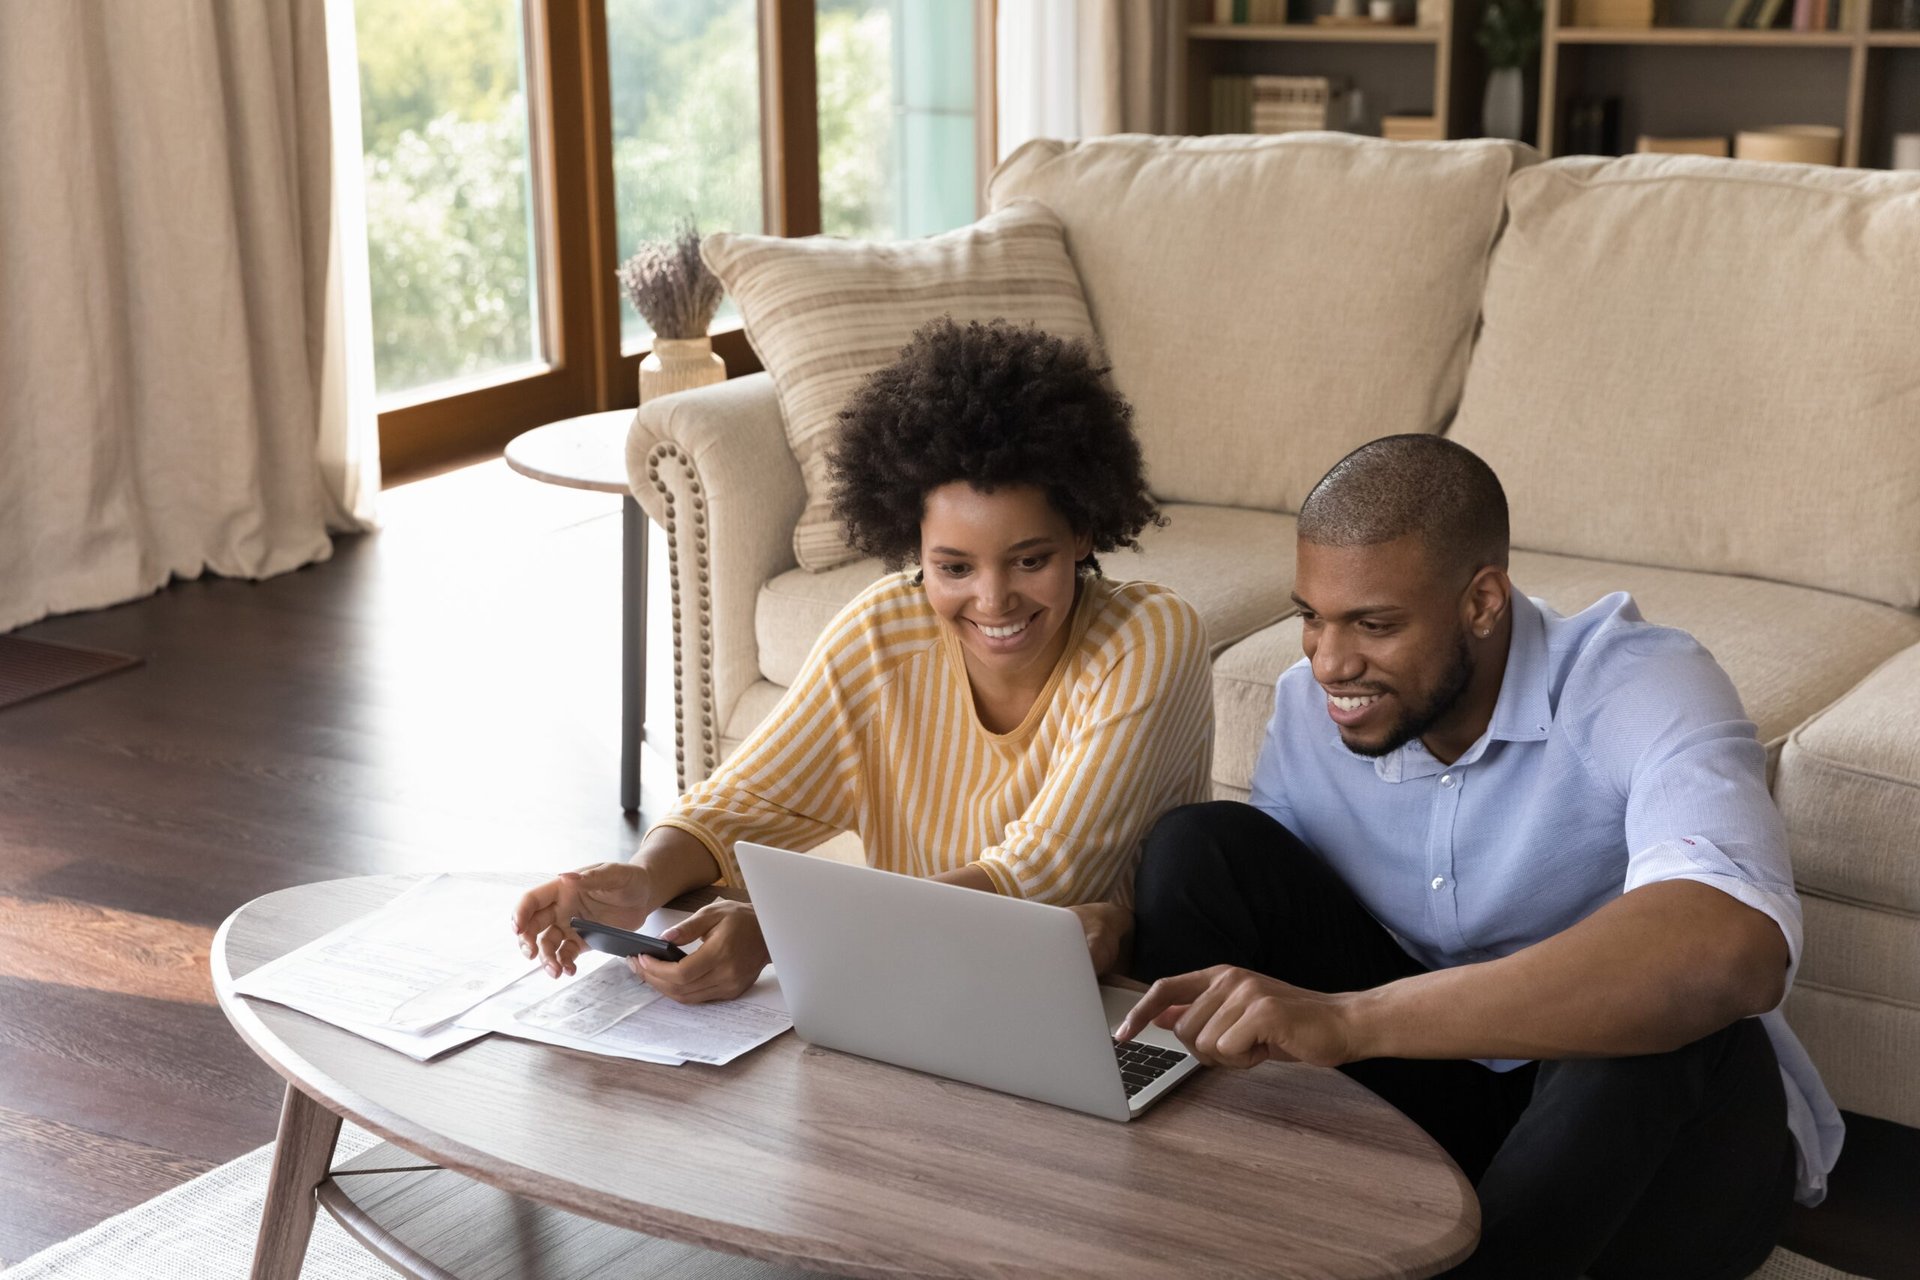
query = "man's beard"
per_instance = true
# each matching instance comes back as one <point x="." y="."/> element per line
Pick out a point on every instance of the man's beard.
<point x="1415" y="721"/>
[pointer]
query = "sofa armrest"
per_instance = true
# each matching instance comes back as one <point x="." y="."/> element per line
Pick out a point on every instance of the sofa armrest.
<point x="713" y="469"/>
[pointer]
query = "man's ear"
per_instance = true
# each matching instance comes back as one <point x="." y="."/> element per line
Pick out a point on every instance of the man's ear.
<point x="1486" y="601"/>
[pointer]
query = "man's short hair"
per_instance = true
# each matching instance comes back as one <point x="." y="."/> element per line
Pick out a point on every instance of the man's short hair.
<point x="1424" y="485"/>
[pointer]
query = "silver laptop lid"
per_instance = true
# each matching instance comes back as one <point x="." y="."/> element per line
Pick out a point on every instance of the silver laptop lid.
<point x="974" y="986"/>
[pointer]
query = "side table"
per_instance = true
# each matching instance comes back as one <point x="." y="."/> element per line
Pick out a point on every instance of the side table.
<point x="590" y="452"/>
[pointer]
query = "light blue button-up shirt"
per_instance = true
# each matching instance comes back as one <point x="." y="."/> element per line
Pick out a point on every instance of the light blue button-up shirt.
<point x="1618" y="755"/>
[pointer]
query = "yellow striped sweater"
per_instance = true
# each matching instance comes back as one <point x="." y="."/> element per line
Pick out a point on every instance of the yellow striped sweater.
<point x="879" y="735"/>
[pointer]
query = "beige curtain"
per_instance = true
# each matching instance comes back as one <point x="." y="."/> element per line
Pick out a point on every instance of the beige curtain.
<point x="1084" y="68"/>
<point x="1131" y="75"/>
<point x="171" y="356"/>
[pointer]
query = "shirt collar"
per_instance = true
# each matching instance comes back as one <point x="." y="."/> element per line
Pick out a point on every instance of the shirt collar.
<point x="1524" y="708"/>
<point x="1522" y="712"/>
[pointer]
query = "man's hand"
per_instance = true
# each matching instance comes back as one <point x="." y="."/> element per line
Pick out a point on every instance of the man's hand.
<point x="615" y="893"/>
<point x="1109" y="930"/>
<point x="1230" y="1017"/>
<point x="729" y="958"/>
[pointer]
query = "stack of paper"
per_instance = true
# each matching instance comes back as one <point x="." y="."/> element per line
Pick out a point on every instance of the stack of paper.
<point x="437" y="968"/>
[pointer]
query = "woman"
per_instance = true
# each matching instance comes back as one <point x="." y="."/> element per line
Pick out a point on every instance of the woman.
<point x="1003" y="718"/>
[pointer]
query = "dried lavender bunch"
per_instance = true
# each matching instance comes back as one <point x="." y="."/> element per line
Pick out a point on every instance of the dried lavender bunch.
<point x="671" y="287"/>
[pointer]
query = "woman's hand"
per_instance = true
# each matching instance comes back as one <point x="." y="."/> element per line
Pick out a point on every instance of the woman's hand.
<point x="616" y="893"/>
<point x="728" y="960"/>
<point x="1109" y="930"/>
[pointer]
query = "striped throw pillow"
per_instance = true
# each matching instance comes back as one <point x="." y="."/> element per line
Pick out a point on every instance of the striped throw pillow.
<point x="823" y="314"/>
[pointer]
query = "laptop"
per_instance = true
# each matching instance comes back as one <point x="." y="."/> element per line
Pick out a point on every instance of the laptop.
<point x="973" y="986"/>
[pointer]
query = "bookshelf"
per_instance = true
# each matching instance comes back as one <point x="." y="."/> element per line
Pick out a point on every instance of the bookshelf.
<point x="1403" y="69"/>
<point x="1692" y="76"/>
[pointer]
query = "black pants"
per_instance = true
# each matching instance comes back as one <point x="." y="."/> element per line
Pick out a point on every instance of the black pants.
<point x="1667" y="1165"/>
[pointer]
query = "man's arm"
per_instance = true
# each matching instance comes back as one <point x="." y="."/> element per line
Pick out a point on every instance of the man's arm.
<point x="1653" y="970"/>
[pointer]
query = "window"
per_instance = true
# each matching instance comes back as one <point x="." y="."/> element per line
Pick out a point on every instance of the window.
<point x="518" y="150"/>
<point x="685" y="83"/>
<point x="450" y="231"/>
<point x="897" y="135"/>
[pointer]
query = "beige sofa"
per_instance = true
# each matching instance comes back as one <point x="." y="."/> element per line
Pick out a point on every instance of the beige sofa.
<point x="1698" y="379"/>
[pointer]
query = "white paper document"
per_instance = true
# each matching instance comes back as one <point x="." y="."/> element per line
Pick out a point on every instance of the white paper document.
<point x="401" y="975"/>
<point x="605" y="1008"/>
<point x="438" y="967"/>
<point x="712" y="1033"/>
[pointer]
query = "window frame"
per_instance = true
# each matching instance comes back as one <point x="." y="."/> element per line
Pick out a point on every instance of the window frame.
<point x="576" y="249"/>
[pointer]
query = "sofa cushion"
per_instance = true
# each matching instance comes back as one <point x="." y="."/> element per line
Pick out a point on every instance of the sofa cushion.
<point x="1849" y="787"/>
<point x="1865" y="1049"/>
<point x="1708" y="364"/>
<point x="1253" y="293"/>
<point x="1861" y="949"/>
<point x="1243" y="679"/>
<point x="1789" y="650"/>
<point x="796" y="607"/>
<point x="1234" y="566"/>
<point x="822" y="314"/>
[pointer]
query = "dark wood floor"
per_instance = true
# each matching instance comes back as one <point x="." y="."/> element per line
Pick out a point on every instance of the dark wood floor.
<point x="443" y="694"/>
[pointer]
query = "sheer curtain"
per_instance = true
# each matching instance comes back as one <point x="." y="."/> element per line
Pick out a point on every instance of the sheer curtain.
<point x="176" y="374"/>
<point x="1083" y="68"/>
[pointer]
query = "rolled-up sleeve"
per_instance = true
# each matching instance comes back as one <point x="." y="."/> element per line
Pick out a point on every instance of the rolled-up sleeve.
<point x="1674" y="736"/>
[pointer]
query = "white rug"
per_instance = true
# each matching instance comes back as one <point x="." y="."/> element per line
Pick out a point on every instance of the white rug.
<point x="204" y="1229"/>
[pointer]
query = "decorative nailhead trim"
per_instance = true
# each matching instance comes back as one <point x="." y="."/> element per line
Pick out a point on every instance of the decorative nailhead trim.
<point x="663" y="453"/>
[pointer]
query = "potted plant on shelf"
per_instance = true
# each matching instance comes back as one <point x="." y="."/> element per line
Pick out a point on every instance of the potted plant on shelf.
<point x="674" y="292"/>
<point x="1510" y="34"/>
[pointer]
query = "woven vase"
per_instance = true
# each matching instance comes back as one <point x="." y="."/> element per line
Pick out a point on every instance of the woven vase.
<point x="680" y="364"/>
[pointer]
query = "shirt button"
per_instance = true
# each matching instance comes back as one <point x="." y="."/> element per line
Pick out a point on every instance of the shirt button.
<point x="1446" y="780"/>
<point x="1439" y="882"/>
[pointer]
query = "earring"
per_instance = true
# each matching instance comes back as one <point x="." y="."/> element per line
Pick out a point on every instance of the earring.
<point x="1484" y="632"/>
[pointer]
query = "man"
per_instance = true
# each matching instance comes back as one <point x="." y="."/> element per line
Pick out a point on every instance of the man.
<point x="1517" y="873"/>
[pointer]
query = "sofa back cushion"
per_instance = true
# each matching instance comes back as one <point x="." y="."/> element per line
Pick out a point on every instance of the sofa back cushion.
<point x="1708" y="364"/>
<point x="1270" y="303"/>
<point x="823" y="314"/>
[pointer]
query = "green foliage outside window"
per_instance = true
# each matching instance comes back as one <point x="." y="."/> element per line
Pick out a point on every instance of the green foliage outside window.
<point x="443" y="123"/>
<point x="443" y="110"/>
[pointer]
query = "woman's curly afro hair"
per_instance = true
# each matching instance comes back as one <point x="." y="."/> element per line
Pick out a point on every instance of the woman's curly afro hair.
<point x="996" y="405"/>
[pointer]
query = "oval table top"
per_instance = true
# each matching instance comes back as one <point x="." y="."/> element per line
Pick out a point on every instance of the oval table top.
<point x="587" y="452"/>
<point x="801" y="1155"/>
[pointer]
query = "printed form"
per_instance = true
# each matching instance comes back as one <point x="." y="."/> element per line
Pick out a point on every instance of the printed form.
<point x="605" y="1008"/>
<point x="436" y="969"/>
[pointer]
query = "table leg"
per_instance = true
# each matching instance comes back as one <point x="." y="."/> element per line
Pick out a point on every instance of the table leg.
<point x="302" y="1155"/>
<point x="633" y="648"/>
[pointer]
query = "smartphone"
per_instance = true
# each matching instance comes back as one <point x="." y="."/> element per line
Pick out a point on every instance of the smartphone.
<point x="623" y="942"/>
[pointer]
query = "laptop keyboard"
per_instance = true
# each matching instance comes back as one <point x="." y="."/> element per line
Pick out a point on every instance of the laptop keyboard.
<point x="1142" y="1064"/>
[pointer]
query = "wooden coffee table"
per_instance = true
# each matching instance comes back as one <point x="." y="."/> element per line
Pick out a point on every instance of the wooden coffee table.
<point x="508" y="1158"/>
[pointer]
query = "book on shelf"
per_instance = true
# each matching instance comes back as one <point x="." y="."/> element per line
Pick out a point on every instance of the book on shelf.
<point x="1410" y="128"/>
<point x="1616" y="13"/>
<point x="1768" y="11"/>
<point x="1232" y="104"/>
<point x="1287" y="104"/>
<point x="1650" y="145"/>
<point x="1260" y="12"/>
